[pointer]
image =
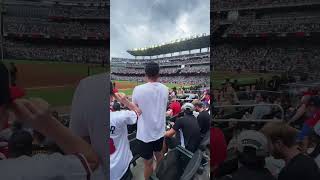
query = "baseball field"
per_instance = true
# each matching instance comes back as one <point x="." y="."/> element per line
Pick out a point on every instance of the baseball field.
<point x="217" y="78"/>
<point x="53" y="81"/>
<point x="128" y="86"/>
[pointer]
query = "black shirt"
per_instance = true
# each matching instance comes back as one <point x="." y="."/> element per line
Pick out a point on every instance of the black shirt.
<point x="301" y="167"/>
<point x="191" y="131"/>
<point x="204" y="122"/>
<point x="244" y="173"/>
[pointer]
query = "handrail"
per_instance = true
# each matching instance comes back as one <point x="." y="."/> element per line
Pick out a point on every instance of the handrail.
<point x="249" y="119"/>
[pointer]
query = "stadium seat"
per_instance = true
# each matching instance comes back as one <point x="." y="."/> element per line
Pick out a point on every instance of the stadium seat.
<point x="205" y="142"/>
<point x="193" y="166"/>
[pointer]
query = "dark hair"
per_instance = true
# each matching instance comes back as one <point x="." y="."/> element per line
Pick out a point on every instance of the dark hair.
<point x="280" y="131"/>
<point x="198" y="104"/>
<point x="116" y="106"/>
<point x="20" y="143"/>
<point x="152" y="69"/>
<point x="4" y="85"/>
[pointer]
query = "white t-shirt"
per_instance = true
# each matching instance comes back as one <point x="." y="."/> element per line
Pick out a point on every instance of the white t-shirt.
<point x="45" y="167"/>
<point x="152" y="99"/>
<point x="90" y="117"/>
<point x="120" y="159"/>
<point x="274" y="165"/>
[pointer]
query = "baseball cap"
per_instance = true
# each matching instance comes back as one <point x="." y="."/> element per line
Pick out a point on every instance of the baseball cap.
<point x="254" y="139"/>
<point x="187" y="106"/>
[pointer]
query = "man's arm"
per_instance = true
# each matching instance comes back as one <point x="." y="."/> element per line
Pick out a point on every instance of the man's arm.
<point x="123" y="99"/>
<point x="169" y="112"/>
<point x="298" y="114"/>
<point x="36" y="113"/>
<point x="170" y="133"/>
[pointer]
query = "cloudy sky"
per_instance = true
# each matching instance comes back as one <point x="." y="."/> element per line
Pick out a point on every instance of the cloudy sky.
<point x="141" y="23"/>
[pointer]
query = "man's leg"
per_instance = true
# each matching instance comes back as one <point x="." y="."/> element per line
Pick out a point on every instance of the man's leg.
<point x="159" y="157"/>
<point x="164" y="148"/>
<point x="148" y="168"/>
<point x="147" y="154"/>
<point x="158" y="150"/>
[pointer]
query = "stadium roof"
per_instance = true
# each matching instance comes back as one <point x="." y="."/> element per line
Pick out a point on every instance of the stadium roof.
<point x="174" y="46"/>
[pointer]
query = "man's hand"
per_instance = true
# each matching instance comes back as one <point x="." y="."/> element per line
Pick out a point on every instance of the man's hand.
<point x="122" y="98"/>
<point x="33" y="111"/>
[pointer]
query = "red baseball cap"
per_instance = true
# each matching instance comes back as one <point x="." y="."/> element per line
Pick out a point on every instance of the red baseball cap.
<point x="16" y="92"/>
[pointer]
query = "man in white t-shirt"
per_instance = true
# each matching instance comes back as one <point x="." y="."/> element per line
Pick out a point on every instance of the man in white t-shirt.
<point x="152" y="99"/>
<point x="120" y="153"/>
<point x="90" y="117"/>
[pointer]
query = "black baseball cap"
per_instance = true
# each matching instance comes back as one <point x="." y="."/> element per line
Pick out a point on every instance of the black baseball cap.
<point x="5" y="97"/>
<point x="152" y="69"/>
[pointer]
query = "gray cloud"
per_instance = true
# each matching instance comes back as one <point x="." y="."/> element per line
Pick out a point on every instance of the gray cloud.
<point x="141" y="23"/>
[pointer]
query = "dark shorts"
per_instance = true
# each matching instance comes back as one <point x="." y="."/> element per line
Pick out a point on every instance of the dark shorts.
<point x="146" y="150"/>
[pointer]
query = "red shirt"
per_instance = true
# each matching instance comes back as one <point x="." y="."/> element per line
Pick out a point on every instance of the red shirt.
<point x="314" y="119"/>
<point x="175" y="107"/>
<point x="218" y="147"/>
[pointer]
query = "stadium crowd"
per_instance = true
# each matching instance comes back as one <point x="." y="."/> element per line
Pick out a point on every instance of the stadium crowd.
<point x="252" y="3"/>
<point x="77" y="54"/>
<point x="164" y="70"/>
<point x="185" y="69"/>
<point x="293" y="25"/>
<point x="245" y="139"/>
<point x="266" y="58"/>
<point x="182" y="115"/>
<point x="78" y="12"/>
<point x="167" y="79"/>
<point x="36" y="26"/>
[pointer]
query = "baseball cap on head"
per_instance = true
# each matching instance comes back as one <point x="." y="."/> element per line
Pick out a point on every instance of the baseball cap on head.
<point x="253" y="139"/>
<point x="187" y="106"/>
<point x="152" y="69"/>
